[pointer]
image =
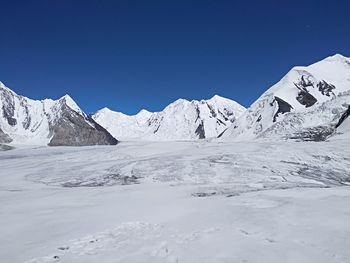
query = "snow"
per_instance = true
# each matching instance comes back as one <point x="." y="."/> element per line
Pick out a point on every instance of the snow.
<point x="122" y="126"/>
<point x="72" y="104"/>
<point x="345" y="127"/>
<point x="176" y="202"/>
<point x="178" y="121"/>
<point x="164" y="196"/>
<point x="32" y="117"/>
<point x="326" y="114"/>
<point x="343" y="131"/>
<point x="259" y="117"/>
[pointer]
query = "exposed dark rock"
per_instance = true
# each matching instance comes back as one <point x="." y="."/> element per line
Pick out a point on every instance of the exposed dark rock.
<point x="105" y="180"/>
<point x="27" y="120"/>
<point x="304" y="96"/>
<point x="306" y="99"/>
<point x="220" y="135"/>
<point x="226" y="115"/>
<point x="73" y="129"/>
<point x="200" y="131"/>
<point x="315" y="134"/>
<point x="4" y="147"/>
<point x="203" y="194"/>
<point x="259" y="119"/>
<point x="283" y="107"/>
<point x="325" y="88"/>
<point x="212" y="111"/>
<point x="220" y="122"/>
<point x="4" y="138"/>
<point x="345" y="115"/>
<point x="155" y="131"/>
<point x="305" y="82"/>
<point x="66" y="126"/>
<point x="198" y="113"/>
<point x="8" y="108"/>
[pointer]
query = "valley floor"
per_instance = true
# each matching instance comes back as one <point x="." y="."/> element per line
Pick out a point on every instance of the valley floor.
<point x="176" y="202"/>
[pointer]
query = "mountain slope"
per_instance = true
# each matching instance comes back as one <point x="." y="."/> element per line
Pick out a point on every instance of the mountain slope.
<point x="282" y="109"/>
<point x="181" y="120"/>
<point x="123" y="126"/>
<point x="47" y="122"/>
<point x="343" y="125"/>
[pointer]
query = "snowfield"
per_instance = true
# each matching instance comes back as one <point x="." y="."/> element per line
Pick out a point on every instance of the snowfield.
<point x="203" y="201"/>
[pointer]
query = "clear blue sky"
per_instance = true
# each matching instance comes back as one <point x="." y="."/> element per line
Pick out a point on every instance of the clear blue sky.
<point x="128" y="55"/>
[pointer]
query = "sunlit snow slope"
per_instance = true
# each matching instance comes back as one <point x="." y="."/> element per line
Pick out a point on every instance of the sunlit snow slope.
<point x="181" y="120"/>
<point x="307" y="102"/>
<point x="53" y="122"/>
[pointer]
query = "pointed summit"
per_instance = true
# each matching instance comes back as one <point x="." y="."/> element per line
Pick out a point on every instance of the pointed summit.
<point x="337" y="57"/>
<point x="282" y="109"/>
<point x="71" y="103"/>
<point x="144" y="113"/>
<point x="217" y="97"/>
<point x="47" y="122"/>
<point x="2" y="86"/>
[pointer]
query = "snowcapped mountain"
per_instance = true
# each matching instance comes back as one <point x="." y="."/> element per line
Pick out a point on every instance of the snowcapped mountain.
<point x="123" y="126"/>
<point x="306" y="103"/>
<point x="181" y="120"/>
<point x="47" y="122"/>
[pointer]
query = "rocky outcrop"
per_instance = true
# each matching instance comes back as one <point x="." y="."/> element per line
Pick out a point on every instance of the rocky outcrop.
<point x="4" y="138"/>
<point x="283" y="107"/>
<point x="306" y="99"/>
<point x="305" y="103"/>
<point x="345" y="115"/>
<point x="73" y="129"/>
<point x="48" y="122"/>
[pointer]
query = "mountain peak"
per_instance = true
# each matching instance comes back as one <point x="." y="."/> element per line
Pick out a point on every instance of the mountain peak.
<point x="2" y="86"/>
<point x="66" y="97"/>
<point x="71" y="103"/>
<point x="178" y="102"/>
<point x="216" y="97"/>
<point x="48" y="122"/>
<point x="337" y="57"/>
<point x="144" y="112"/>
<point x="302" y="90"/>
<point x="105" y="109"/>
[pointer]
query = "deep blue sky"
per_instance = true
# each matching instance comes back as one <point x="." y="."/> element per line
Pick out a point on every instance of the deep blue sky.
<point x="128" y="55"/>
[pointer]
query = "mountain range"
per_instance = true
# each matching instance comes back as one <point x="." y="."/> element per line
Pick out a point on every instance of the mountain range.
<point x="180" y="120"/>
<point x="309" y="103"/>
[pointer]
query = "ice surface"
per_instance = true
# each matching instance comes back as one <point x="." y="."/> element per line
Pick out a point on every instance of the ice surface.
<point x="176" y="202"/>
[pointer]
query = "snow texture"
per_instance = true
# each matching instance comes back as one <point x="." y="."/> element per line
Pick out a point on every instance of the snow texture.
<point x="264" y="192"/>
<point x="176" y="202"/>
<point x="53" y="122"/>
<point x="303" y="102"/>
<point x="181" y="120"/>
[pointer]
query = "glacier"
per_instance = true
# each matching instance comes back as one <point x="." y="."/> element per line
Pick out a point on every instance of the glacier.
<point x="161" y="187"/>
<point x="194" y="201"/>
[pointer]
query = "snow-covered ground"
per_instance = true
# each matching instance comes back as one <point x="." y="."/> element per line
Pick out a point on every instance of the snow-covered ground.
<point x="176" y="202"/>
